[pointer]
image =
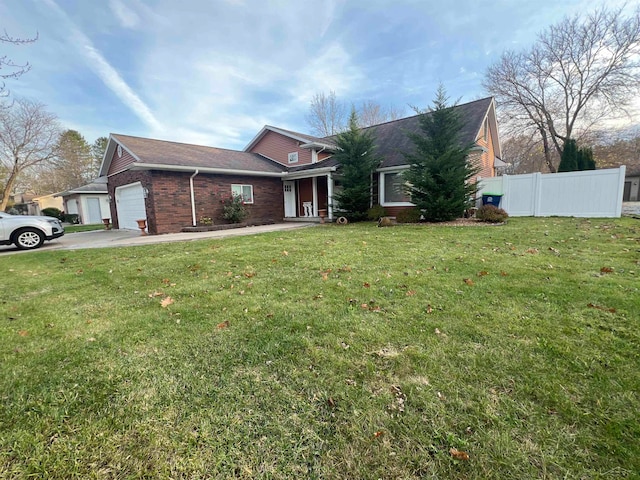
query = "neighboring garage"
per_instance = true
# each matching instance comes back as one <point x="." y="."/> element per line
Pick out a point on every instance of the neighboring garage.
<point x="130" y="205"/>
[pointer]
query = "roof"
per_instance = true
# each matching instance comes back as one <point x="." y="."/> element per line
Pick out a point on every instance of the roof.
<point x="161" y="154"/>
<point x="99" y="185"/>
<point x="301" y="137"/>
<point x="392" y="141"/>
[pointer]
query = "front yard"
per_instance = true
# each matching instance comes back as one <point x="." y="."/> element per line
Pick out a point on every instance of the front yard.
<point x="328" y="352"/>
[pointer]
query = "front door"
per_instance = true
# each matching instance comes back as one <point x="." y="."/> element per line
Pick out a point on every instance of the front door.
<point x="289" y="199"/>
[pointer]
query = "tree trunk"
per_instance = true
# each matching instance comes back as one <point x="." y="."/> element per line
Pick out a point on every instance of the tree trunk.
<point x="7" y="190"/>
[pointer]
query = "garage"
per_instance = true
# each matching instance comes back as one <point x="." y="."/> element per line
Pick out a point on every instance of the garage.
<point x="130" y="205"/>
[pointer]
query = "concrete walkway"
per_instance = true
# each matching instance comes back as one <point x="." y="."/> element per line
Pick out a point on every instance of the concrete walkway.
<point x="128" y="238"/>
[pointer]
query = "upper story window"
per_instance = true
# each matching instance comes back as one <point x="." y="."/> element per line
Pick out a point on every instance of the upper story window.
<point x="293" y="157"/>
<point x="244" y="191"/>
<point x="485" y="129"/>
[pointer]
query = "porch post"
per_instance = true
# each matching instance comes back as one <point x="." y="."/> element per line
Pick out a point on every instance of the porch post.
<point x="314" y="183"/>
<point x="330" y="195"/>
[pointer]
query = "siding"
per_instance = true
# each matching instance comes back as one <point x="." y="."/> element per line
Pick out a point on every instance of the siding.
<point x="118" y="164"/>
<point x="277" y="147"/>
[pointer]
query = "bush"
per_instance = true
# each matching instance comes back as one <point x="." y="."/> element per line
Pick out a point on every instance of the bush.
<point x="71" y="218"/>
<point x="376" y="212"/>
<point x="491" y="214"/>
<point x="52" y="212"/>
<point x="233" y="209"/>
<point x="408" y="215"/>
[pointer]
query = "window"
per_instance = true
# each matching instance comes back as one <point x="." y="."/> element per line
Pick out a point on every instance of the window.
<point x="244" y="191"/>
<point x="392" y="189"/>
<point x="293" y="157"/>
<point x="485" y="128"/>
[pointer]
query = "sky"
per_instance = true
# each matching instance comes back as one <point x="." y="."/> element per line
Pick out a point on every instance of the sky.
<point x="214" y="72"/>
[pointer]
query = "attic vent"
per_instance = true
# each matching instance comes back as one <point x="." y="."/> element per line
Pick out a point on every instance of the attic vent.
<point x="119" y="150"/>
<point x="293" y="157"/>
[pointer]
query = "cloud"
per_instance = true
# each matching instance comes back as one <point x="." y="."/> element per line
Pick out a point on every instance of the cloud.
<point x="128" y="18"/>
<point x="110" y="77"/>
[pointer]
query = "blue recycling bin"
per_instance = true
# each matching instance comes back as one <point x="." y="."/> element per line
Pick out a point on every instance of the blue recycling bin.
<point x="491" y="199"/>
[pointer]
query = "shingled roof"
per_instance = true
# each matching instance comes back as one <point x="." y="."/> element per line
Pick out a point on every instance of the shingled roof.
<point x="173" y="155"/>
<point x="392" y="141"/>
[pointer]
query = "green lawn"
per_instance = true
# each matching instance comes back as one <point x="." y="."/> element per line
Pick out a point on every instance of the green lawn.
<point x="329" y="352"/>
<point x="83" y="228"/>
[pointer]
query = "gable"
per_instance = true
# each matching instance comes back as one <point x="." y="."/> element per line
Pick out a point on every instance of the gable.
<point x="277" y="147"/>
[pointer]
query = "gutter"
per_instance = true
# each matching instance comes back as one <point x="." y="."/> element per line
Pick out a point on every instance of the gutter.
<point x="193" y="197"/>
<point x="221" y="171"/>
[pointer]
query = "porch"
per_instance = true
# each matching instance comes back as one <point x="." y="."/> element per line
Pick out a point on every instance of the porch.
<point x="309" y="196"/>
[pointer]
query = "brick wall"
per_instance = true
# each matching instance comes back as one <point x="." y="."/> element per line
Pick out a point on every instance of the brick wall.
<point x="168" y="205"/>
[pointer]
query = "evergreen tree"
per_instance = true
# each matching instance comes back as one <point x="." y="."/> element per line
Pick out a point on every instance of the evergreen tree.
<point x="97" y="152"/>
<point x="569" y="159"/>
<point x="585" y="159"/>
<point x="438" y="179"/>
<point x="358" y="161"/>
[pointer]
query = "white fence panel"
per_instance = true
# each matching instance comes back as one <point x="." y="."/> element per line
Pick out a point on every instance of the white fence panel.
<point x="590" y="193"/>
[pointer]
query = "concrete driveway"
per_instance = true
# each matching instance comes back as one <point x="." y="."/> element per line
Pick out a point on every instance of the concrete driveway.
<point x="128" y="238"/>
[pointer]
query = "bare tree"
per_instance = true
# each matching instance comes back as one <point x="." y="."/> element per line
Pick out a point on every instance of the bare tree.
<point x="372" y="113"/>
<point x="14" y="69"/>
<point x="28" y="135"/>
<point x="578" y="72"/>
<point x="327" y="115"/>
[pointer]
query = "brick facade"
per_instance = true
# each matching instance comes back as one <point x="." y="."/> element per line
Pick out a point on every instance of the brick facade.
<point x="168" y="205"/>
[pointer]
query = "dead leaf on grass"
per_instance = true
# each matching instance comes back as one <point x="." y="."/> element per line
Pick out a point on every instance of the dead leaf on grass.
<point x="606" y="270"/>
<point x="410" y="293"/>
<point x="285" y="253"/>
<point x="532" y="250"/>
<point x="483" y="273"/>
<point x="503" y="273"/>
<point x="366" y="285"/>
<point x="23" y="333"/>
<point x="378" y="434"/>
<point x="458" y="454"/>
<point x="554" y="250"/>
<point x="155" y="294"/>
<point x="468" y="281"/>
<point x="600" y="307"/>
<point x="224" y="324"/>
<point x="166" y="301"/>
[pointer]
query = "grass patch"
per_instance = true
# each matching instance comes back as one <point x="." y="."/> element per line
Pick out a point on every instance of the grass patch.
<point x="83" y="228"/>
<point x="328" y="352"/>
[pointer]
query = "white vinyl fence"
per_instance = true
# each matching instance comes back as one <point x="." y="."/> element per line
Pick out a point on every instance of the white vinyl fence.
<point x="589" y="193"/>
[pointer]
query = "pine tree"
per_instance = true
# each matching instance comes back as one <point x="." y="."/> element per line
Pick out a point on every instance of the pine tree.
<point x="358" y="161"/>
<point x="438" y="179"/>
<point x="569" y="159"/>
<point x="585" y="159"/>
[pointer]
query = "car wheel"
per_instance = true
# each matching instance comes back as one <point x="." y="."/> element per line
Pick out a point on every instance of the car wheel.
<point x="28" y="238"/>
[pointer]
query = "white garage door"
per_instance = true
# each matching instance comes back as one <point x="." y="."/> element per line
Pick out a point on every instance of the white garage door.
<point x="130" y="205"/>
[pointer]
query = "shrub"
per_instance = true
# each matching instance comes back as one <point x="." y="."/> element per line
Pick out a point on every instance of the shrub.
<point x="72" y="218"/>
<point x="408" y="215"/>
<point x="206" y="221"/>
<point x="491" y="214"/>
<point x="376" y="212"/>
<point x="233" y="209"/>
<point x="52" y="212"/>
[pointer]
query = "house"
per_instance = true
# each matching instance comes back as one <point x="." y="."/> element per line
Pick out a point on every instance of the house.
<point x="90" y="202"/>
<point x="281" y="174"/>
<point x="631" y="184"/>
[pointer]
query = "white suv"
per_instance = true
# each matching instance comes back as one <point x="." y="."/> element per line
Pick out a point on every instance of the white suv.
<point x="28" y="231"/>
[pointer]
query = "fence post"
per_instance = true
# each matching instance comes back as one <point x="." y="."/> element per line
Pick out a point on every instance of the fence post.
<point x="537" y="194"/>
<point x="621" y="173"/>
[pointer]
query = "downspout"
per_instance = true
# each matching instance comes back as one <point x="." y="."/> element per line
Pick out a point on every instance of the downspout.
<point x="193" y="197"/>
